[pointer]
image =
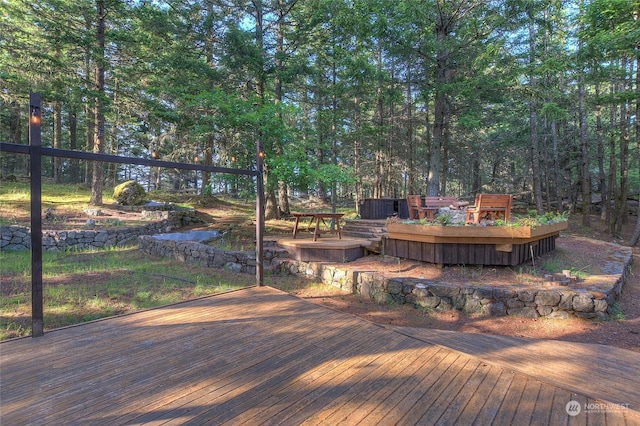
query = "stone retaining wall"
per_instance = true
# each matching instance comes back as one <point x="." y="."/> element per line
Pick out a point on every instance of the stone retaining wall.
<point x="19" y="238"/>
<point x="204" y="255"/>
<point x="594" y="299"/>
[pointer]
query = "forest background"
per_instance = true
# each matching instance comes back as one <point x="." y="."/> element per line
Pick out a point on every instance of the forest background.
<point x="350" y="99"/>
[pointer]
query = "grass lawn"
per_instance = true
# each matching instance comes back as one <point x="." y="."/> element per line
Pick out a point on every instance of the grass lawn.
<point x="88" y="285"/>
<point x="81" y="286"/>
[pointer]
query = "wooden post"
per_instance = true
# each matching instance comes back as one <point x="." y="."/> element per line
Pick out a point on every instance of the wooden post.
<point x="259" y="215"/>
<point x="35" y="171"/>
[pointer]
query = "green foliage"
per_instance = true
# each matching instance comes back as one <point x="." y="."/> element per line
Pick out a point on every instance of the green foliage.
<point x="338" y="92"/>
<point x="444" y="219"/>
<point x="533" y="219"/>
<point x="615" y="312"/>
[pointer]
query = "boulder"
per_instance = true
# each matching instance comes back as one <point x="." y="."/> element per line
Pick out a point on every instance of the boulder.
<point x="129" y="193"/>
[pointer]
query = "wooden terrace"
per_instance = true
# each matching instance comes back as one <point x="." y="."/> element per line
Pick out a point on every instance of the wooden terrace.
<point x="261" y="356"/>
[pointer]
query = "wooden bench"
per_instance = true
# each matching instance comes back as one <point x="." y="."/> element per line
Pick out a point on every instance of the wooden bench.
<point x="492" y="206"/>
<point x="427" y="209"/>
<point x="318" y="218"/>
<point x="432" y="204"/>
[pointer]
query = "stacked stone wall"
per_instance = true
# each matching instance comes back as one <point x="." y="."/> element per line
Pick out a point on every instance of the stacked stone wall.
<point x="19" y="238"/>
<point x="211" y="257"/>
<point x="595" y="300"/>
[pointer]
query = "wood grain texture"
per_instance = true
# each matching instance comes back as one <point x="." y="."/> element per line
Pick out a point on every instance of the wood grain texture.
<point x="261" y="356"/>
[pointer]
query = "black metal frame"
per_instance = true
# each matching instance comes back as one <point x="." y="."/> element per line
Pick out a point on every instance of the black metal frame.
<point x="36" y="151"/>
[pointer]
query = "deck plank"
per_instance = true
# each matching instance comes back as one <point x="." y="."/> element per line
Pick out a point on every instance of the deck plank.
<point x="460" y="401"/>
<point x="511" y="400"/>
<point x="601" y="372"/>
<point x="261" y="356"/>
<point x="423" y="396"/>
<point x="524" y="411"/>
<point x="253" y="396"/>
<point x="447" y="397"/>
<point x="392" y="407"/>
<point x="399" y="375"/>
<point x="229" y="379"/>
<point x="471" y="410"/>
<point x="303" y="387"/>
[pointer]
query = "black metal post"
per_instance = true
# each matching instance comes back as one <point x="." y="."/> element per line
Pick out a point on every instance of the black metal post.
<point x="35" y="171"/>
<point x="259" y="215"/>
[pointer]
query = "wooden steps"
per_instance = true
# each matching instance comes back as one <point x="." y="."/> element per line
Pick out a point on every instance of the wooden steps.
<point x="368" y="229"/>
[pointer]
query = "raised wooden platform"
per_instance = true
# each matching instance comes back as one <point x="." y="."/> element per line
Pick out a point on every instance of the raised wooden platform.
<point x="324" y="249"/>
<point x="468" y="254"/>
<point x="260" y="356"/>
<point x="471" y="245"/>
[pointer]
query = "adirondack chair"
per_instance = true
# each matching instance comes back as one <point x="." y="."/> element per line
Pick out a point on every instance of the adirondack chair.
<point x="495" y="206"/>
<point x="416" y="210"/>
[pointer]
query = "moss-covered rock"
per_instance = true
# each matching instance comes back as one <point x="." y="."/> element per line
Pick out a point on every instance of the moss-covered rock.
<point x="129" y="193"/>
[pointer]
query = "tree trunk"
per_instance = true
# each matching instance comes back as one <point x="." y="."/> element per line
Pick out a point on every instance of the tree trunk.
<point x="476" y="176"/>
<point x="357" y="160"/>
<point x="411" y="173"/>
<point x="621" y="208"/>
<point x="534" y="148"/>
<point x="283" y="192"/>
<point x="88" y="107"/>
<point x="379" y="156"/>
<point x="271" y="202"/>
<point x="440" y="112"/>
<point x="636" y="233"/>
<point x="602" y="176"/>
<point x="15" y="124"/>
<point x="547" y="165"/>
<point x="558" y="189"/>
<point x="209" y="142"/>
<point x="74" y="167"/>
<point x="15" y="136"/>
<point x="98" y="144"/>
<point x="585" y="180"/>
<point x="57" y="140"/>
<point x="611" y="178"/>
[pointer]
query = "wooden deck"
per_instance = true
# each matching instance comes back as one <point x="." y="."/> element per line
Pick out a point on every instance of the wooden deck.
<point x="324" y="249"/>
<point x="260" y="356"/>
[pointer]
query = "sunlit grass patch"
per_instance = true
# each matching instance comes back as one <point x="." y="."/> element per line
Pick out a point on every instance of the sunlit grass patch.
<point x="84" y="286"/>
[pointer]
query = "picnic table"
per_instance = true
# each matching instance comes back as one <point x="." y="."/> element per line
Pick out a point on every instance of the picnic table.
<point x="318" y="218"/>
